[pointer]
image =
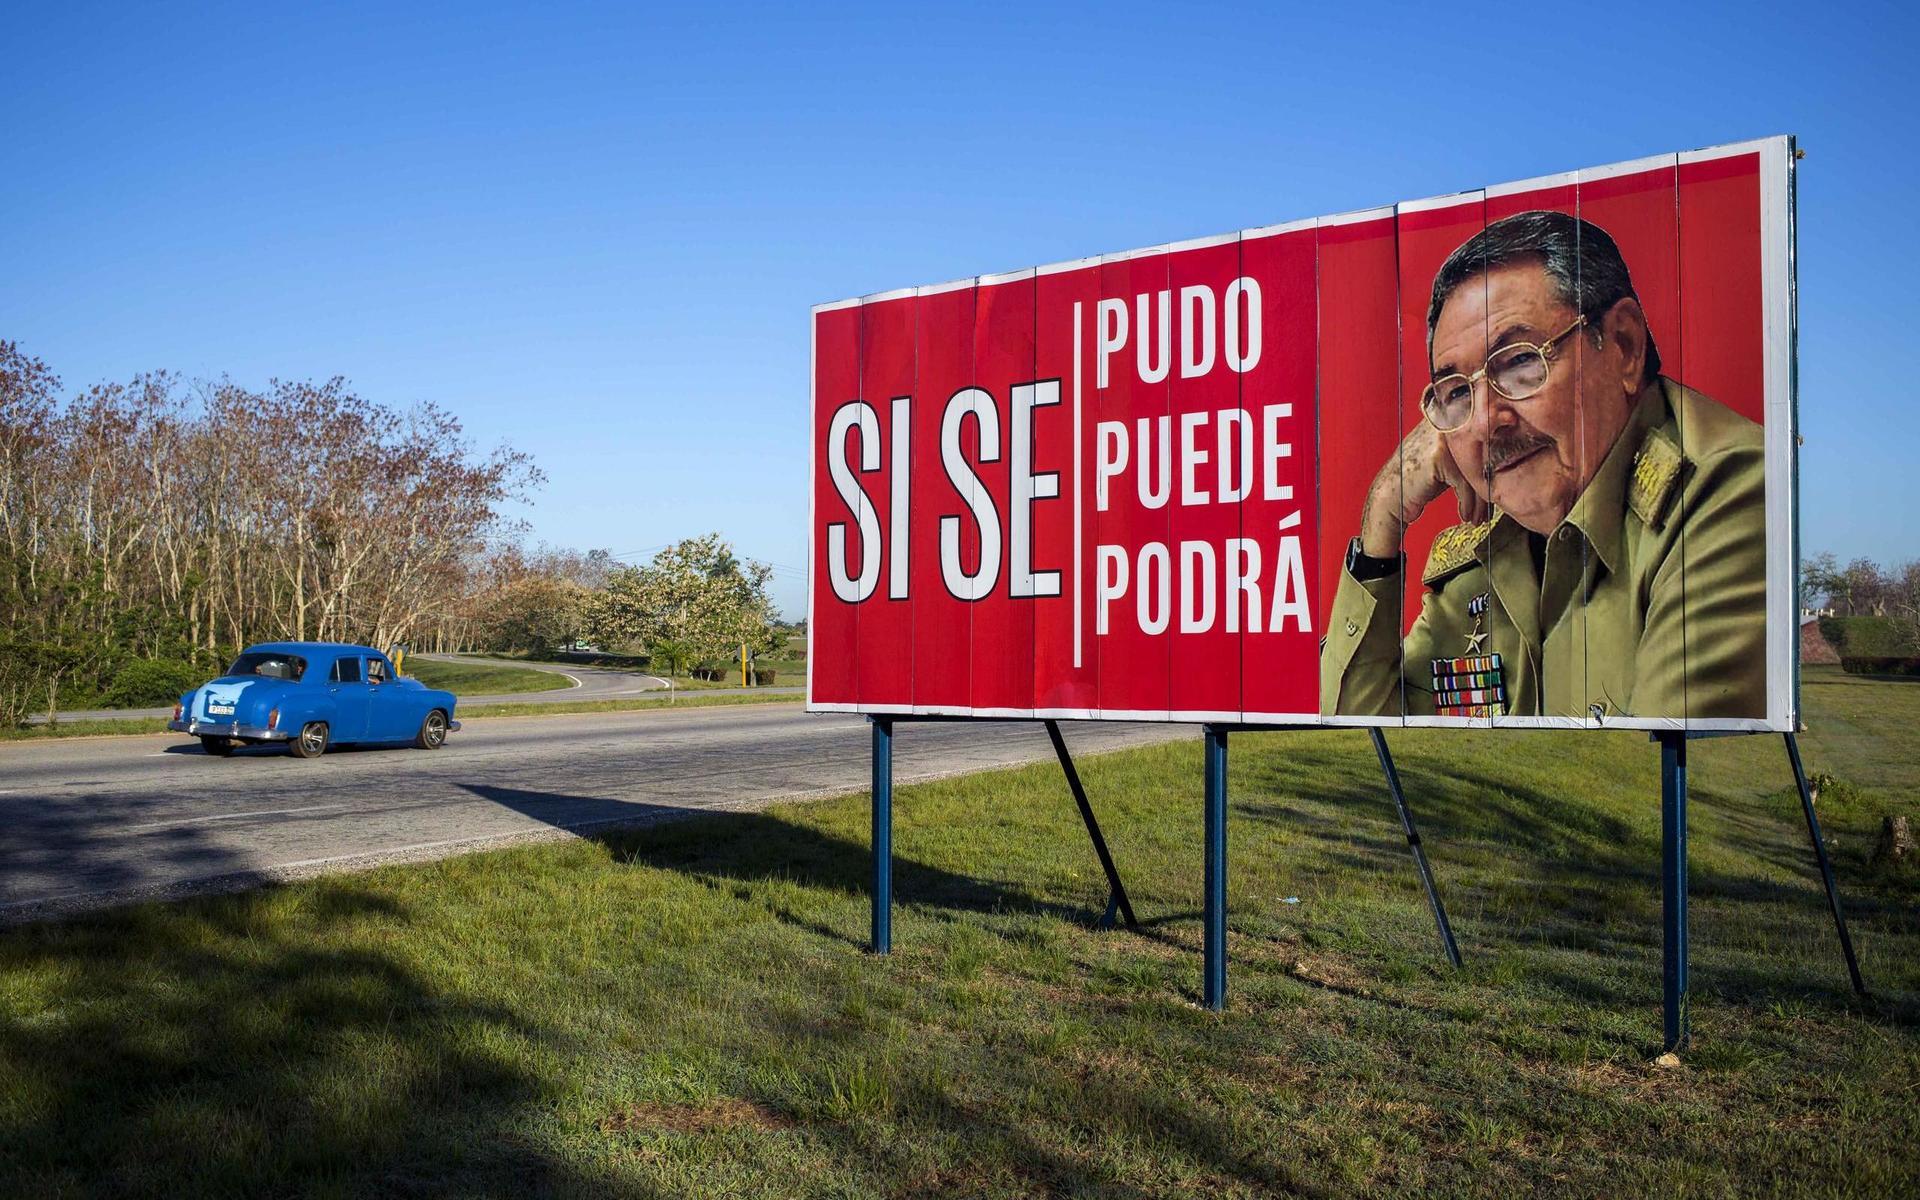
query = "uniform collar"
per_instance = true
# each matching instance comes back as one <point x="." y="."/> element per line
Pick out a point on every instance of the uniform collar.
<point x="1599" y="513"/>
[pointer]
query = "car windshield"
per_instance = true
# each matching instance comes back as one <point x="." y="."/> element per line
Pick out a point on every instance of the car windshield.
<point x="269" y="663"/>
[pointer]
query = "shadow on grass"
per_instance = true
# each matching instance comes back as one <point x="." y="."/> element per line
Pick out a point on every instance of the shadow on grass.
<point x="297" y="1041"/>
<point x="242" y="1046"/>
<point x="744" y="848"/>
<point x="1543" y="872"/>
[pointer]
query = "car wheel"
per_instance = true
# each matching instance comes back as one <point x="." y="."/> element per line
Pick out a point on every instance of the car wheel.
<point x="433" y="731"/>
<point x="312" y="742"/>
<point x="219" y="747"/>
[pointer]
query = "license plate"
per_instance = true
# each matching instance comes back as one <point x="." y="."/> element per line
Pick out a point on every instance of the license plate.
<point x="219" y="710"/>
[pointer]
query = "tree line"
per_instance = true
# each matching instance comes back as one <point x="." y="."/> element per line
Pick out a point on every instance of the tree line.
<point x="1870" y="614"/>
<point x="695" y="603"/>
<point x="1863" y="588"/>
<point x="149" y="529"/>
<point x="155" y="525"/>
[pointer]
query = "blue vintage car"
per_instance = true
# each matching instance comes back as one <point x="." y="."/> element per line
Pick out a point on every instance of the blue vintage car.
<point x="311" y="695"/>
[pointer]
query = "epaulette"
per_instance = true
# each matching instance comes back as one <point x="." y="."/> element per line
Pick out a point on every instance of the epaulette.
<point x="1657" y="471"/>
<point x="1457" y="546"/>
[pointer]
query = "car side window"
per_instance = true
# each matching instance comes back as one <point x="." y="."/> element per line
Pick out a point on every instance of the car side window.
<point x="346" y="670"/>
<point x="376" y="670"/>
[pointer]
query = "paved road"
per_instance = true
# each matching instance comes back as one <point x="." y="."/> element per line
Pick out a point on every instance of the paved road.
<point x="86" y="821"/>
<point x="580" y="682"/>
<point x="590" y="683"/>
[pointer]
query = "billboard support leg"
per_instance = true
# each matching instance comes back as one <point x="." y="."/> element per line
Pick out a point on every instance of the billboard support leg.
<point x="1826" y="867"/>
<point x="1413" y="842"/>
<point x="1116" y="891"/>
<point x="1213" y="990"/>
<point x="1673" y="885"/>
<point x="882" y="942"/>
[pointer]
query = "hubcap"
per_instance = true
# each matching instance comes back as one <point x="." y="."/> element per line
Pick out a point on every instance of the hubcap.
<point x="313" y="738"/>
<point x="436" y="728"/>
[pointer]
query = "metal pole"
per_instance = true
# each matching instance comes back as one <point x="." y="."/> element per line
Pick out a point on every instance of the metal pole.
<point x="1213" y="990"/>
<point x="1673" y="879"/>
<point x="1117" y="892"/>
<point x="1413" y="841"/>
<point x="1826" y="867"/>
<point x="882" y="835"/>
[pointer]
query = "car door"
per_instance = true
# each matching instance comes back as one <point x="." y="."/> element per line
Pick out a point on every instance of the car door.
<point x="391" y="717"/>
<point x="352" y="699"/>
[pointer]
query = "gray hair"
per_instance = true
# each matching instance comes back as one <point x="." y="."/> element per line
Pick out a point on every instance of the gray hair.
<point x="1580" y="258"/>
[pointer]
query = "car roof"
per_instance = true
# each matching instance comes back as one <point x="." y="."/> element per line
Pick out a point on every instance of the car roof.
<point x="313" y="649"/>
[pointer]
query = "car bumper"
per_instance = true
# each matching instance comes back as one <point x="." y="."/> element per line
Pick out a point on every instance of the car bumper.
<point x="453" y="727"/>
<point x="254" y="733"/>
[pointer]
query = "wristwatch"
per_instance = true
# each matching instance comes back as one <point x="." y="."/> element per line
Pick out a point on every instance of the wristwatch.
<point x="1363" y="566"/>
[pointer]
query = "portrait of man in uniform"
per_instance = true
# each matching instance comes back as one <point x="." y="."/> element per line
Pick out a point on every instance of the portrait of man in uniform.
<point x="1609" y="559"/>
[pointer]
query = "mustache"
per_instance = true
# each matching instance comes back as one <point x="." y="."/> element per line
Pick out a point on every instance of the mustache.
<point x="1510" y="447"/>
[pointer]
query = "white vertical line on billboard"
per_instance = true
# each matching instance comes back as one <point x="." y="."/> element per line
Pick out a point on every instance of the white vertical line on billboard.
<point x="1079" y="572"/>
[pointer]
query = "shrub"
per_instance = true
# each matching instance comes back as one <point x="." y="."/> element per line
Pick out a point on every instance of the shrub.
<point x="149" y="682"/>
<point x="1880" y="664"/>
<point x="1870" y="637"/>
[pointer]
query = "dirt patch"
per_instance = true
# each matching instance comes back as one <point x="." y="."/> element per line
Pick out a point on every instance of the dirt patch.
<point x="1332" y="973"/>
<point x="703" y="1117"/>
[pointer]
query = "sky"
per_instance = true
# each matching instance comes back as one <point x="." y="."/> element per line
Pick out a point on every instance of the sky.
<point x="595" y="232"/>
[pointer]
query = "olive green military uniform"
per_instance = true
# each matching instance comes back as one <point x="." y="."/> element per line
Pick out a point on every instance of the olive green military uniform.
<point x="1651" y="600"/>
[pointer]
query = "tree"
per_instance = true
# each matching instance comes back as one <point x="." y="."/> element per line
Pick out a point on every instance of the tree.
<point x="160" y="521"/>
<point x="1819" y="580"/>
<point x="537" y="614"/>
<point x="1904" y="590"/>
<point x="697" y="595"/>
<point x="1866" y="588"/>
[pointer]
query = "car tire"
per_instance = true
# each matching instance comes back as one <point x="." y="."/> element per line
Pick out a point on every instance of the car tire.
<point x="433" y="731"/>
<point x="219" y="747"/>
<point x="312" y="742"/>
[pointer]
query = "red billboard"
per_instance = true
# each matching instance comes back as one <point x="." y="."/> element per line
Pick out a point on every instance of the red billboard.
<point x="1517" y="456"/>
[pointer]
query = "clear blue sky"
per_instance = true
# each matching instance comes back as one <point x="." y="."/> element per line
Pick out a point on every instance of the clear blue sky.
<point x="595" y="232"/>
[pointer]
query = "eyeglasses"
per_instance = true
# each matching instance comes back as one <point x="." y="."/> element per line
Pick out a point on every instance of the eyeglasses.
<point x="1517" y="371"/>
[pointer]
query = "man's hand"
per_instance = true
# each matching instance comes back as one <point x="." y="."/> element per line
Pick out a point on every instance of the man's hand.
<point x="1419" y="472"/>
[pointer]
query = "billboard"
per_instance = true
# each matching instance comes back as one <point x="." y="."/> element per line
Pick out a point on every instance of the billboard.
<point x="1515" y="457"/>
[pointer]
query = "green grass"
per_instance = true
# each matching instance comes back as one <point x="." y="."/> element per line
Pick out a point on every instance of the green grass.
<point x="788" y="672"/>
<point x="483" y="679"/>
<point x="687" y="1010"/>
<point x="67" y="729"/>
<point x="792" y="671"/>
<point x="624" y="704"/>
